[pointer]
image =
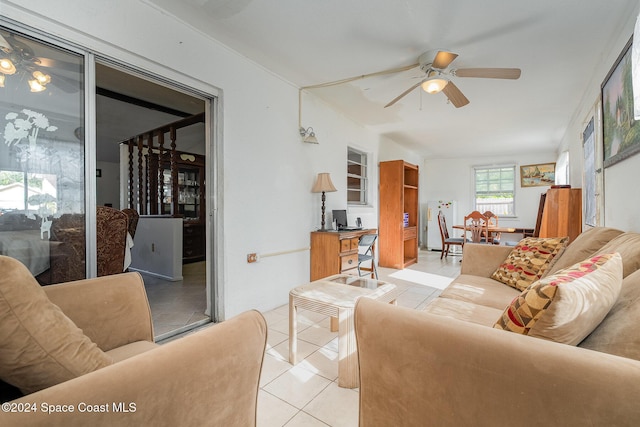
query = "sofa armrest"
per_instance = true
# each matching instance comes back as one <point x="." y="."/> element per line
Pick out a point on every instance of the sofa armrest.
<point x="111" y="310"/>
<point x="482" y="260"/>
<point x="426" y="369"/>
<point x="210" y="377"/>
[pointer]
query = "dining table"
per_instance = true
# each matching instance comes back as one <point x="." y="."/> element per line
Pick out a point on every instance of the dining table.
<point x="496" y="229"/>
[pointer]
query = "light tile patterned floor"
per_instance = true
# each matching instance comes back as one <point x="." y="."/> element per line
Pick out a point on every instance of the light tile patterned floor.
<point x="308" y="394"/>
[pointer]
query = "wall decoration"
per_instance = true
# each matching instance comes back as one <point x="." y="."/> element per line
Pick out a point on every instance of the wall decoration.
<point x="621" y="132"/>
<point x="537" y="175"/>
<point x="589" y="174"/>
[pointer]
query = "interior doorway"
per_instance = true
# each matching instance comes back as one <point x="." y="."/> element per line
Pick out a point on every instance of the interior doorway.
<point x="164" y="183"/>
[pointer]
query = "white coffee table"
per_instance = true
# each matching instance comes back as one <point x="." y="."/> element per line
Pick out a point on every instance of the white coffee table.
<point x="336" y="296"/>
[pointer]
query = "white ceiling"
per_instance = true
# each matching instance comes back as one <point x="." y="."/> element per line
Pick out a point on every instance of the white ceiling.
<point x="557" y="44"/>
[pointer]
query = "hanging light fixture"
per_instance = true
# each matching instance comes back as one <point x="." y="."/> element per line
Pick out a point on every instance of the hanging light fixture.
<point x="308" y="135"/>
<point x="434" y="84"/>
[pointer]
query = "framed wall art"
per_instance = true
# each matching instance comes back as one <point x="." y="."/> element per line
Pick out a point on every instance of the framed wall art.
<point x="537" y="175"/>
<point x="621" y="132"/>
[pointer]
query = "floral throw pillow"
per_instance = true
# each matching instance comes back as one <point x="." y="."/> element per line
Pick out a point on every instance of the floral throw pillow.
<point x="567" y="306"/>
<point x="528" y="261"/>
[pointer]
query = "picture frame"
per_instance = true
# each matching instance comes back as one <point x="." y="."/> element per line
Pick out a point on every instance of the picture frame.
<point x="537" y="175"/>
<point x="620" y="131"/>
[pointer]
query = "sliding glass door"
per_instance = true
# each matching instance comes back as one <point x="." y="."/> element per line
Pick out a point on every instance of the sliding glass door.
<point x="42" y="157"/>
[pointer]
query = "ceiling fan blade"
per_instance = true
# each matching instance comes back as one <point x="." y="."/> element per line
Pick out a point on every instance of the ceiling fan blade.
<point x="60" y="65"/>
<point x="454" y="94"/>
<point x="66" y="84"/>
<point x="489" y="73"/>
<point x="443" y="59"/>
<point x="4" y="44"/>
<point x="403" y="94"/>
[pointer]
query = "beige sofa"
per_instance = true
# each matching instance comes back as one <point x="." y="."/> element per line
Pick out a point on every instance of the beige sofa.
<point x="447" y="365"/>
<point x="210" y="377"/>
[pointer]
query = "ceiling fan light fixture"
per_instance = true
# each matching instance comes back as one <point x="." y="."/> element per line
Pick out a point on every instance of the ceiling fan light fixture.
<point x="1" y="80"/>
<point x="36" y="86"/>
<point x="7" y="67"/>
<point x="434" y="84"/>
<point x="42" y="78"/>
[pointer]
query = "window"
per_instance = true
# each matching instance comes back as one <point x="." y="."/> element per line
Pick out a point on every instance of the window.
<point x="495" y="189"/>
<point x="356" y="177"/>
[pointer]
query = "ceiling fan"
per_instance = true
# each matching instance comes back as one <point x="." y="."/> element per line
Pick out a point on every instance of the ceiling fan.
<point x="17" y="57"/>
<point x="437" y="76"/>
<point x="436" y="66"/>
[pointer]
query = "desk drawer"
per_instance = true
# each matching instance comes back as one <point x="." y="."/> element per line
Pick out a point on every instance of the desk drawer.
<point x="347" y="245"/>
<point x="348" y="261"/>
<point x="410" y="233"/>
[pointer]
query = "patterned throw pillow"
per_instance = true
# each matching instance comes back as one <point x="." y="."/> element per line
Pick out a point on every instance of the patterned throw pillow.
<point x="567" y="306"/>
<point x="528" y="261"/>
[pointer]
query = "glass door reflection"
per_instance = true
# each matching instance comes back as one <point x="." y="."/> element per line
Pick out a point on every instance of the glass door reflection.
<point x="42" y="185"/>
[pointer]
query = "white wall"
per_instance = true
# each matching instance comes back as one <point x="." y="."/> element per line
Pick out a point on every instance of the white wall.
<point x="452" y="179"/>
<point x="621" y="195"/>
<point x="265" y="202"/>
<point x="108" y="184"/>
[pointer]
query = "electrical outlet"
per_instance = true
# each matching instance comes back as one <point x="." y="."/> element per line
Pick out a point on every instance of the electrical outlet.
<point x="252" y="257"/>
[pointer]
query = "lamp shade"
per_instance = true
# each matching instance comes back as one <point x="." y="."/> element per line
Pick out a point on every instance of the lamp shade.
<point x="323" y="184"/>
<point x="434" y="84"/>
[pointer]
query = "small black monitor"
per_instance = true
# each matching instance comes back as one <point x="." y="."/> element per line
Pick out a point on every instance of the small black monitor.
<point x="341" y="217"/>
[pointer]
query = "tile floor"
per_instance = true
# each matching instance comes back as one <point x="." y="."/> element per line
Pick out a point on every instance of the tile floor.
<point x="308" y="394"/>
<point x="174" y="305"/>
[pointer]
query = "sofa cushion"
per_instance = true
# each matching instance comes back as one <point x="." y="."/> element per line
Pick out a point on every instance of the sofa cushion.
<point x="528" y="261"/>
<point x="39" y="345"/>
<point x="481" y="291"/>
<point x="463" y="310"/>
<point x="583" y="247"/>
<point x="618" y="332"/>
<point x="628" y="246"/>
<point x="567" y="306"/>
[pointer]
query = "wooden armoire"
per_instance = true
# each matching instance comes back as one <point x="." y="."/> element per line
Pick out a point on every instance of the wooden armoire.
<point x="562" y="213"/>
<point x="398" y="231"/>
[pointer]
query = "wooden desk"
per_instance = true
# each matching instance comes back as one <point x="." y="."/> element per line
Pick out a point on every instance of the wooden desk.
<point x="336" y="252"/>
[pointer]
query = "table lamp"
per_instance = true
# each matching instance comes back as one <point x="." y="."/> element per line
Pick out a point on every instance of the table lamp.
<point x="323" y="184"/>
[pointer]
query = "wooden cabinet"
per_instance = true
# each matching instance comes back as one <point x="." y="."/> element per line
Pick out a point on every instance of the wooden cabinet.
<point x="398" y="240"/>
<point x="562" y="213"/>
<point x="189" y="192"/>
<point x="335" y="252"/>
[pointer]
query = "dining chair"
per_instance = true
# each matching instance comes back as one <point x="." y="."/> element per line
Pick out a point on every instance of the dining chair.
<point x="477" y="226"/>
<point x="365" y="253"/>
<point x="444" y="234"/>
<point x="492" y="221"/>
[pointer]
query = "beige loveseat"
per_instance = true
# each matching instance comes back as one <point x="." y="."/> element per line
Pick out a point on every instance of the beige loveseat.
<point x="210" y="377"/>
<point x="448" y="365"/>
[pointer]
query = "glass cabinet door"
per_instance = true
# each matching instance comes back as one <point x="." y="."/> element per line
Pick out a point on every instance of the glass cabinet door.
<point x="42" y="185"/>
<point x="189" y="184"/>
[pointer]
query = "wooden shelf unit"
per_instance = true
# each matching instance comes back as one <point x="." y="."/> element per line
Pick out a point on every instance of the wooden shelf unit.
<point x="398" y="245"/>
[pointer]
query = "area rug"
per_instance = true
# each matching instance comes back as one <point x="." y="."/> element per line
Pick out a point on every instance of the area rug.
<point x="422" y="278"/>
